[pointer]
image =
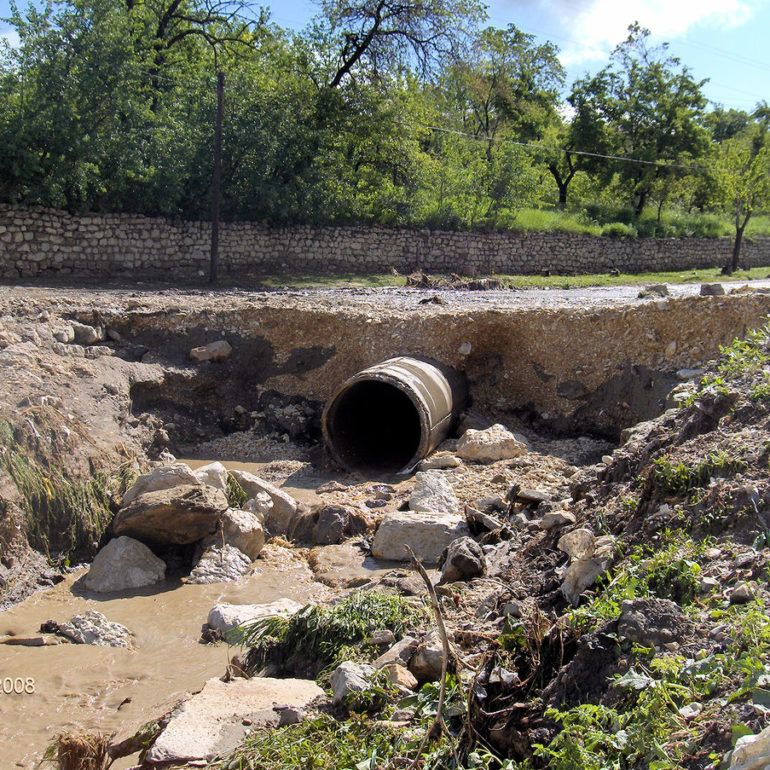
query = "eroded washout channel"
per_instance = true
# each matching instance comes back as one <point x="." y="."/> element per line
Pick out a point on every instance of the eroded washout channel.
<point x="321" y="406"/>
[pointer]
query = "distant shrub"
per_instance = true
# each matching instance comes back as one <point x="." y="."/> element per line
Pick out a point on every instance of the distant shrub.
<point x="619" y="230"/>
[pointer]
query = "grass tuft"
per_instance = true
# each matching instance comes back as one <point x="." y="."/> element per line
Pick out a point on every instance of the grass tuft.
<point x="319" y="636"/>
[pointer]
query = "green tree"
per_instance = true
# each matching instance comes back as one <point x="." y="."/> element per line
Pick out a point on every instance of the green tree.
<point x="653" y="110"/>
<point x="742" y="174"/>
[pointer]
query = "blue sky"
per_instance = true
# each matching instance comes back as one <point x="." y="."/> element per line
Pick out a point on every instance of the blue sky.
<point x="727" y="41"/>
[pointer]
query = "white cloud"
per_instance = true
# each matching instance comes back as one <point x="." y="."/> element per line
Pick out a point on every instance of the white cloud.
<point x="590" y="29"/>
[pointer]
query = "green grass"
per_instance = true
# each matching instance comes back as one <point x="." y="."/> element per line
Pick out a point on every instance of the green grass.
<point x="380" y="280"/>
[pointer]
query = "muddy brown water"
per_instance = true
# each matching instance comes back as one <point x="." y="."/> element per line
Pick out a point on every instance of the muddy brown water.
<point x="83" y="687"/>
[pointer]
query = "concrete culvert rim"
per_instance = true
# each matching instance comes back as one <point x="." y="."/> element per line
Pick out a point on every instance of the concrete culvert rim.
<point x="386" y="418"/>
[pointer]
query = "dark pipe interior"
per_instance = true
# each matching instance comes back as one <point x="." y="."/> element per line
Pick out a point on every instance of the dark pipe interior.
<point x="374" y="426"/>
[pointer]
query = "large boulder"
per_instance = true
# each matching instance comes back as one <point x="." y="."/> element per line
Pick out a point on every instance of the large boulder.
<point x="124" y="563"/>
<point x="162" y="477"/>
<point x="217" y="719"/>
<point x="433" y="493"/>
<point x="428" y="534"/>
<point x="225" y="617"/>
<point x="242" y="530"/>
<point x="278" y="519"/>
<point x="220" y="564"/>
<point x="213" y="474"/>
<point x="490" y="445"/>
<point x="464" y="560"/>
<point x="180" y="515"/>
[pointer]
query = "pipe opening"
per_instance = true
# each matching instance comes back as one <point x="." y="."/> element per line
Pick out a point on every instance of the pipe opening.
<point x="374" y="426"/>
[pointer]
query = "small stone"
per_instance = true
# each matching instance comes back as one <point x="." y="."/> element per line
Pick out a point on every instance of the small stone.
<point x="708" y="584"/>
<point x="87" y="335"/>
<point x="512" y="609"/>
<point x="490" y="445"/>
<point x="464" y="560"/>
<point x="712" y="290"/>
<point x="690" y="711"/>
<point x="440" y="461"/>
<point x="349" y="678"/>
<point x="400" y="676"/>
<point x="381" y="638"/>
<point x="214" y="351"/>
<point x="741" y="594"/>
<point x="556" y="519"/>
<point x="433" y="493"/>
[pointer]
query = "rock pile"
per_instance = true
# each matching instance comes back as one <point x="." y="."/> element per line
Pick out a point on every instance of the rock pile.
<point x="172" y="505"/>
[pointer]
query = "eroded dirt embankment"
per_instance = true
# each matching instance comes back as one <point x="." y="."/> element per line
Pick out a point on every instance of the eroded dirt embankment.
<point x="94" y="408"/>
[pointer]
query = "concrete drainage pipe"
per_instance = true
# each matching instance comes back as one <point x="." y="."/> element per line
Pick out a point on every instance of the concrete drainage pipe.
<point x="386" y="418"/>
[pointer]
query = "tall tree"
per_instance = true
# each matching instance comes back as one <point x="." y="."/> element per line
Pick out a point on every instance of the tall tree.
<point x="742" y="174"/>
<point x="653" y="109"/>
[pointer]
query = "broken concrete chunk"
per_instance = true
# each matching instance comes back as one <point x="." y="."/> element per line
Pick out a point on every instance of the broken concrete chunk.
<point x="214" y="351"/>
<point x="490" y="445"/>
<point x="162" y="477"/>
<point x="226" y="617"/>
<point x="122" y="564"/>
<point x="217" y="719"/>
<point x="180" y="515"/>
<point x="433" y="493"/>
<point x="428" y="534"/>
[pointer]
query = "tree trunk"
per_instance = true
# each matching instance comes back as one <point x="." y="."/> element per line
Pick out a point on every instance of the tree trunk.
<point x="735" y="257"/>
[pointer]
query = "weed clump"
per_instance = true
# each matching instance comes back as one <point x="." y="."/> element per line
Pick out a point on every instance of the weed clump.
<point x="63" y="515"/>
<point x="681" y="479"/>
<point x="318" y="636"/>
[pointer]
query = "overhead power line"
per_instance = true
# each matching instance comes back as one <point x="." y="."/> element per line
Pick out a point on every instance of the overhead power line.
<point x="585" y="153"/>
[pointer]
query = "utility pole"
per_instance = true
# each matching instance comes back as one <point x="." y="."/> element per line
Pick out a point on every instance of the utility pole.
<point x="216" y="182"/>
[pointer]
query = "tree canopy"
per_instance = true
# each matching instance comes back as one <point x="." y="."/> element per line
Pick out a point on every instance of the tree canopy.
<point x="398" y="113"/>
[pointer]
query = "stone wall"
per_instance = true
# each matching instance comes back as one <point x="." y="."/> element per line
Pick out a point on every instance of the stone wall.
<point x="49" y="242"/>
